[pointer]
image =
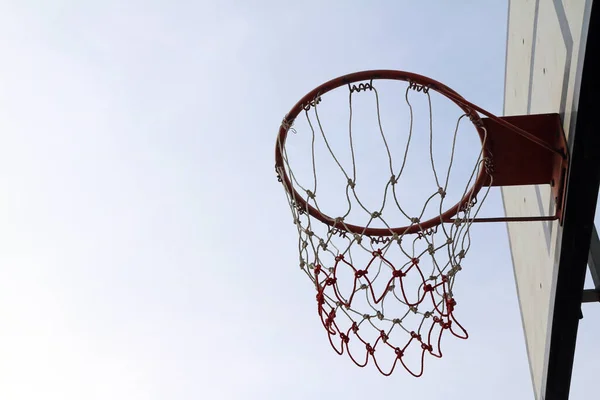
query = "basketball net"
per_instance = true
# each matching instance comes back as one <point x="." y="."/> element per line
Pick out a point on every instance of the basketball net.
<point x="383" y="294"/>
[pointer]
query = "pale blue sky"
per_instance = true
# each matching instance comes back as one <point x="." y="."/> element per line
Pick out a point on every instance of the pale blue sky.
<point x="146" y="248"/>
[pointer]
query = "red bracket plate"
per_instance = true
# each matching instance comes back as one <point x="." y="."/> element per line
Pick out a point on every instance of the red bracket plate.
<point x="519" y="161"/>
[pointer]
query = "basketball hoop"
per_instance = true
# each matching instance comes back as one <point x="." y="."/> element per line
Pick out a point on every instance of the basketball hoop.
<point x="399" y="258"/>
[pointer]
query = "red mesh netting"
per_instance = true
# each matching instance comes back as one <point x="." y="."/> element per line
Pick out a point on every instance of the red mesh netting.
<point x="426" y="338"/>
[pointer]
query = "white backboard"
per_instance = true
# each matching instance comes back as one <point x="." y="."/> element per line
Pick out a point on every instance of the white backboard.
<point x="545" y="45"/>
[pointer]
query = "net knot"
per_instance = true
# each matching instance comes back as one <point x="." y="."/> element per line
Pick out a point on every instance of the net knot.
<point x="339" y="257"/>
<point x="454" y="270"/>
<point x="428" y="314"/>
<point x="384" y="337"/>
<point x="320" y="298"/>
<point x="398" y="273"/>
<point x="399" y="352"/>
<point x="310" y="194"/>
<point x="393" y="180"/>
<point x="330" y="281"/>
<point x="360" y="273"/>
<point x="461" y="254"/>
<point x="379" y="315"/>
<point x="358" y="238"/>
<point x="430" y="249"/>
<point x="415" y="261"/>
<point x="330" y="318"/>
<point x="397" y="321"/>
<point x="415" y="335"/>
<point x="450" y="303"/>
<point x="375" y="214"/>
<point x="317" y="268"/>
<point x="414" y="309"/>
<point x="377" y="253"/>
<point x="442" y="192"/>
<point x="370" y="349"/>
<point x="339" y="220"/>
<point x="415" y="220"/>
<point x="427" y="288"/>
<point x="345" y="338"/>
<point x="427" y="347"/>
<point x="323" y="244"/>
<point x="444" y="278"/>
<point x="354" y="327"/>
<point x="351" y="183"/>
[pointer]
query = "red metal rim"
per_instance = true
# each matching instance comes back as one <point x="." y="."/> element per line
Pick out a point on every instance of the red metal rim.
<point x="447" y="216"/>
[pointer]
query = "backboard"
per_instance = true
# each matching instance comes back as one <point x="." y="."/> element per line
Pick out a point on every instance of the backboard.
<point x="545" y="58"/>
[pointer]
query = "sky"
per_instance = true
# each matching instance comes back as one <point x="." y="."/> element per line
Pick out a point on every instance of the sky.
<point x="147" y="250"/>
